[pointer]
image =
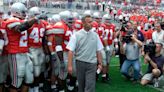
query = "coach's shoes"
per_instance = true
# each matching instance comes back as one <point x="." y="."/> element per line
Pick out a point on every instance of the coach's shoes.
<point x="106" y="80"/>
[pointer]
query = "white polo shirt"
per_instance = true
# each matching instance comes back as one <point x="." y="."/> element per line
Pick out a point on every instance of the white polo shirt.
<point x="85" y="45"/>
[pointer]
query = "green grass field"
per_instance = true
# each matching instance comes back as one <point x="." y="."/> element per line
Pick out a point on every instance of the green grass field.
<point x="119" y="83"/>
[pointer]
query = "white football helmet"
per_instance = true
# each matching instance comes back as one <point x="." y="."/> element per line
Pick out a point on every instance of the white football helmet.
<point x="1" y="13"/>
<point x="34" y="11"/>
<point x="97" y="15"/>
<point x="106" y="18"/>
<point x="67" y="17"/>
<point x="18" y="10"/>
<point x="87" y="12"/>
<point x="55" y="18"/>
<point x="76" y="15"/>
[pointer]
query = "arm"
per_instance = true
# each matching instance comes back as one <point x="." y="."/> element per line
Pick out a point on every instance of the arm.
<point x="98" y="53"/>
<point x="148" y="59"/>
<point x="70" y="59"/>
<point x="137" y="41"/>
<point x="50" y="43"/>
<point x="23" y="26"/>
<point x="122" y="48"/>
<point x="71" y="47"/>
<point x="58" y="48"/>
<point x="99" y="59"/>
<point x="117" y="33"/>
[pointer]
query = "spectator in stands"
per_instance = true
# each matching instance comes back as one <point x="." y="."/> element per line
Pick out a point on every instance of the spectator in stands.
<point x="158" y="36"/>
<point x="138" y="33"/>
<point x="70" y="4"/>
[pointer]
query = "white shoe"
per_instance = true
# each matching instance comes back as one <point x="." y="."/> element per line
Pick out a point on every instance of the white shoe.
<point x="36" y="89"/>
<point x="31" y="90"/>
<point x="61" y="91"/>
<point x="156" y="83"/>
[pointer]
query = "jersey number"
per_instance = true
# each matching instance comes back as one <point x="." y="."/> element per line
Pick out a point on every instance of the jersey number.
<point x="5" y="36"/>
<point x="37" y="35"/>
<point x="23" y="39"/>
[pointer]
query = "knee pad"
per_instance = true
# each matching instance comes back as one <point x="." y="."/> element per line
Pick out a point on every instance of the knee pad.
<point x="41" y="58"/>
<point x="36" y="61"/>
<point x="37" y="71"/>
<point x="21" y="70"/>
<point x="18" y="82"/>
<point x="29" y="73"/>
<point x="33" y="56"/>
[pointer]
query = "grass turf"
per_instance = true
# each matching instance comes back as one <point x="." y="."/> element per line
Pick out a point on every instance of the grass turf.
<point x="119" y="83"/>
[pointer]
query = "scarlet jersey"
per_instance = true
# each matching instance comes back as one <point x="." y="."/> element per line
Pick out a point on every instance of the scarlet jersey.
<point x="35" y="34"/>
<point x="77" y="25"/>
<point x="45" y="23"/>
<point x="149" y="34"/>
<point x="99" y="29"/>
<point x="109" y="33"/>
<point x="94" y="25"/>
<point x="17" y="41"/>
<point x="100" y="32"/>
<point x="144" y="33"/>
<point x="5" y="38"/>
<point x="3" y="35"/>
<point x="62" y="30"/>
<point x="49" y="32"/>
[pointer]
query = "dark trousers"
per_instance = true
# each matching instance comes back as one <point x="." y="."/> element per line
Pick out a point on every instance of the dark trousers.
<point x="122" y="57"/>
<point x="86" y="76"/>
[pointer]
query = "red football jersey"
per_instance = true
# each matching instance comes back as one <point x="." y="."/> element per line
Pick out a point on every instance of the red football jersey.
<point x="99" y="29"/>
<point x="18" y="41"/>
<point x="109" y="33"/>
<point x="149" y="34"/>
<point x="67" y="35"/>
<point x="35" y="34"/>
<point x="100" y="32"/>
<point x="62" y="30"/>
<point x="78" y="25"/>
<point x="3" y="35"/>
<point x="94" y="26"/>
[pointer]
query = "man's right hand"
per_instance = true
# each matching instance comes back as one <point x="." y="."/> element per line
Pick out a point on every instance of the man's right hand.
<point x="107" y="48"/>
<point x="70" y="69"/>
<point x="146" y="58"/>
